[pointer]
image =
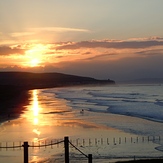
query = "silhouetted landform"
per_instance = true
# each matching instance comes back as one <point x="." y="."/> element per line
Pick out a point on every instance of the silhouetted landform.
<point x="28" y="80"/>
<point x="143" y="161"/>
<point x="14" y="88"/>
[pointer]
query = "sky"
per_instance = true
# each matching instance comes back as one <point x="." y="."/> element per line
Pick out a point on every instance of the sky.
<point x="103" y="39"/>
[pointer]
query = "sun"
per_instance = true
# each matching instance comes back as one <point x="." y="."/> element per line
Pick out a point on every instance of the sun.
<point x="34" y="56"/>
<point x="34" y="62"/>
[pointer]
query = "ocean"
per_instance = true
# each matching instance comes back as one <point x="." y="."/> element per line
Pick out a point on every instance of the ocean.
<point x="135" y="101"/>
<point x="116" y="121"/>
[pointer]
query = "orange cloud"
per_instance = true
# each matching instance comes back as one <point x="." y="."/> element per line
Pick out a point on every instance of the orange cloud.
<point x="112" y="44"/>
<point x="87" y="51"/>
<point x="6" y="50"/>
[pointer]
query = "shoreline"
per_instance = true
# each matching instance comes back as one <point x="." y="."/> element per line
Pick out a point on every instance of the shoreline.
<point x="13" y="98"/>
<point x="74" y="124"/>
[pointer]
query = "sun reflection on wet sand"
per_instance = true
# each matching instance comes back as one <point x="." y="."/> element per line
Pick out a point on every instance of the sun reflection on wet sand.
<point x="35" y="108"/>
<point x="48" y="117"/>
<point x="35" y="103"/>
<point x="32" y="115"/>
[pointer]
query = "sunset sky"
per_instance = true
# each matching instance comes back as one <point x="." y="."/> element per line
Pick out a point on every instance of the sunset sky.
<point x="116" y="39"/>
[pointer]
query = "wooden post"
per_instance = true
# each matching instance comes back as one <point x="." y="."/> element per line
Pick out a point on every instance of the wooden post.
<point x="107" y="141"/>
<point x="90" y="158"/>
<point x="119" y="140"/>
<point x="89" y="142"/>
<point x="66" y="143"/>
<point x="114" y="141"/>
<point x="25" y="145"/>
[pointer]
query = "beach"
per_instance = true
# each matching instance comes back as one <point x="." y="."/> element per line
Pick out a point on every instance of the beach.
<point x="52" y="114"/>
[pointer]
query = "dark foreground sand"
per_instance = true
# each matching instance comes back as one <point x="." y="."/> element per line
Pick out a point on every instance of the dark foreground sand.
<point x="12" y="100"/>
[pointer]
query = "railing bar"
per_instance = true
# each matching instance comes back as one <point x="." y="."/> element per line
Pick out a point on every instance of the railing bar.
<point x="11" y="147"/>
<point x="47" y="144"/>
<point x="78" y="150"/>
<point x="6" y="146"/>
<point x="20" y="145"/>
<point x="33" y="144"/>
<point x="51" y="144"/>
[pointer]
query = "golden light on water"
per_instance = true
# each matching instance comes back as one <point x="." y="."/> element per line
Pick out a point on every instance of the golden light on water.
<point x="35" y="103"/>
<point x="35" y="109"/>
<point x="43" y="119"/>
<point x="35" y="121"/>
<point x="37" y="132"/>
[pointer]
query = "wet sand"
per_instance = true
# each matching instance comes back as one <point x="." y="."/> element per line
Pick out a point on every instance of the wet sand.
<point x="46" y="117"/>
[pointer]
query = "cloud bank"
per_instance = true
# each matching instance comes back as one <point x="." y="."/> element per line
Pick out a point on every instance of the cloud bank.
<point x="118" y="44"/>
<point x="7" y="50"/>
<point x="116" y="59"/>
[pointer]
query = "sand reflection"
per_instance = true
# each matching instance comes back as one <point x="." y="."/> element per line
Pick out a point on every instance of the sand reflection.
<point x="35" y="111"/>
<point x="49" y="117"/>
<point x="35" y="103"/>
<point x="35" y="107"/>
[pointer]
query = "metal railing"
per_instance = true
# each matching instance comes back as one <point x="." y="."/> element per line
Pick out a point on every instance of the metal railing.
<point x="26" y="146"/>
<point x="77" y="144"/>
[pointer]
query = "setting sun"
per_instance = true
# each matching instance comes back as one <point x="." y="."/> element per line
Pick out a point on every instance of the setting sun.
<point x="34" y="56"/>
<point x="34" y="62"/>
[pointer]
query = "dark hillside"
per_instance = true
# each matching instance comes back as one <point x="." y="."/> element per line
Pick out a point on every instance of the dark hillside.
<point x="44" y="80"/>
<point x="14" y="88"/>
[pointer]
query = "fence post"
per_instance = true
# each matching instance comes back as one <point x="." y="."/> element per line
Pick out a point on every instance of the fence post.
<point x="25" y="145"/>
<point x="66" y="144"/>
<point x="90" y="158"/>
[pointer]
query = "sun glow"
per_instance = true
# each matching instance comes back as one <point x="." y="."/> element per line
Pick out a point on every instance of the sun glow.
<point x="34" y="62"/>
<point x="35" y="55"/>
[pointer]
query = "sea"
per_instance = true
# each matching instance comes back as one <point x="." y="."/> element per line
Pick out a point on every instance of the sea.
<point x="141" y="101"/>
<point x="117" y="121"/>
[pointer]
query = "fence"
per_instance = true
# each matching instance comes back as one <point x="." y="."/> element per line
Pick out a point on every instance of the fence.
<point x="77" y="144"/>
<point x="26" y="145"/>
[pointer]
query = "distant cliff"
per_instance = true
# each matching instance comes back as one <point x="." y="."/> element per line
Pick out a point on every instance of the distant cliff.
<point x="14" y="88"/>
<point x="27" y="80"/>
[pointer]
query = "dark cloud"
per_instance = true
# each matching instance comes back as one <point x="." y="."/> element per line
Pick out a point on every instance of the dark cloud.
<point x="6" y="50"/>
<point x="151" y="52"/>
<point x="102" y="56"/>
<point x="86" y="53"/>
<point x="112" y="44"/>
<point x="119" y="70"/>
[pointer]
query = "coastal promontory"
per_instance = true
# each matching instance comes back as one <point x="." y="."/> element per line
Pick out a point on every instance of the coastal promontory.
<point x="28" y="80"/>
